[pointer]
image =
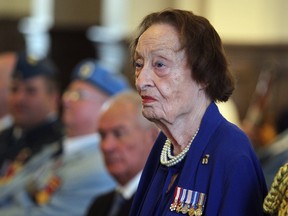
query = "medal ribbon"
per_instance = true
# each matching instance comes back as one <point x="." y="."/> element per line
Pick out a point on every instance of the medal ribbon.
<point x="186" y="207"/>
<point x="176" y="198"/>
<point x="191" y="202"/>
<point x="181" y="203"/>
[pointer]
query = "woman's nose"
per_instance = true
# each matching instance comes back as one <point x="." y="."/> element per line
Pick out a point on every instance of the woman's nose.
<point x="143" y="79"/>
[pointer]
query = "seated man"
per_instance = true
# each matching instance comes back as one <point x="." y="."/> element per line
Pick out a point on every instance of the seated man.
<point x="33" y="102"/>
<point x="127" y="138"/>
<point x="65" y="185"/>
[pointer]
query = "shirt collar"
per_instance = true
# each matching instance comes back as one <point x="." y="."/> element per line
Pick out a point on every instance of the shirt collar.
<point x="5" y="122"/>
<point x="130" y="188"/>
<point x="71" y="145"/>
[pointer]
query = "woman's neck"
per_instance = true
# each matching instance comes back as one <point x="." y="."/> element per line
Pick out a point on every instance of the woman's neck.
<point x="181" y="131"/>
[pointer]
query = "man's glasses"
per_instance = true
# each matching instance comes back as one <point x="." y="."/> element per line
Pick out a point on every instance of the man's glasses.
<point x="76" y="95"/>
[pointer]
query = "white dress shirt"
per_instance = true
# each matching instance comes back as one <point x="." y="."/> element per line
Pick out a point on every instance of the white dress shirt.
<point x="130" y="188"/>
<point x="6" y="122"/>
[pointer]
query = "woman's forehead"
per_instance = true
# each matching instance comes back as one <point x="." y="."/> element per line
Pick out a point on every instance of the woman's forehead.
<point x="159" y="38"/>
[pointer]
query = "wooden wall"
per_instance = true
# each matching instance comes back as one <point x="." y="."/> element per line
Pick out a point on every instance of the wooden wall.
<point x="247" y="62"/>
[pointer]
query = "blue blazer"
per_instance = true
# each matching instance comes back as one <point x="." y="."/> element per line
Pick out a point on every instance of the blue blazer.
<point x="221" y="164"/>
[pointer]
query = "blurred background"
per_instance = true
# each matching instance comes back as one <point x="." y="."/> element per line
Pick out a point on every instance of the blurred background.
<point x="254" y="33"/>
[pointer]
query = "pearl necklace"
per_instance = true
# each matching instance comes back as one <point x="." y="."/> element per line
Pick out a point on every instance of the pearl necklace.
<point x="168" y="159"/>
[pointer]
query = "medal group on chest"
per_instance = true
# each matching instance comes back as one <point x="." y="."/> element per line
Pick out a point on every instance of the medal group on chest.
<point x="188" y="202"/>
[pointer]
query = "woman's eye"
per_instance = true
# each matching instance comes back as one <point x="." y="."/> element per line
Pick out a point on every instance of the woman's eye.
<point x="137" y="65"/>
<point x="159" y="64"/>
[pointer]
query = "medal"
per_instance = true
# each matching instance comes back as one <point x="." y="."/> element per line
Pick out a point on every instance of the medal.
<point x="12" y="168"/>
<point x="194" y="195"/>
<point x="186" y="207"/>
<point x="200" y="205"/>
<point x="198" y="212"/>
<point x="173" y="206"/>
<point x="181" y="203"/>
<point x="176" y="198"/>
<point x="188" y="202"/>
<point x="179" y="207"/>
<point x="191" y="211"/>
<point x="44" y="195"/>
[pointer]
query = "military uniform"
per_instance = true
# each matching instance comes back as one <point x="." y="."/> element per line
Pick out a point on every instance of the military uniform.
<point x="33" y="140"/>
<point x="16" y="142"/>
<point x="10" y="185"/>
<point x="219" y="176"/>
<point x="64" y="185"/>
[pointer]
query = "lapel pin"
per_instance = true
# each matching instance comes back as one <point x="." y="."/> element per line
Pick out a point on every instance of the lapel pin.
<point x="205" y="159"/>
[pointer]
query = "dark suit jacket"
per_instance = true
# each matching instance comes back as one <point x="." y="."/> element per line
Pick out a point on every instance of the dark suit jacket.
<point x="34" y="139"/>
<point x="102" y="205"/>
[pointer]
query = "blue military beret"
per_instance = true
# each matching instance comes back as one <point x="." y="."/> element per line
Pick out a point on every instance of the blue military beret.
<point x="93" y="73"/>
<point x="28" y="67"/>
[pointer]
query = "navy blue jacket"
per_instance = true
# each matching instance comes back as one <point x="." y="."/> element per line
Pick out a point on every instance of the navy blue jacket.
<point x="221" y="163"/>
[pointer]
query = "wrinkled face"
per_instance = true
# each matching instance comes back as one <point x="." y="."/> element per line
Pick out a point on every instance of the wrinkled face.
<point x="81" y="105"/>
<point x="30" y="101"/>
<point x="124" y="143"/>
<point x="163" y="78"/>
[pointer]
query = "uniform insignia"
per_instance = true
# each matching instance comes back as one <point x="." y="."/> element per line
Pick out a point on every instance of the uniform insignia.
<point x="12" y="168"/>
<point x="188" y="202"/>
<point x="31" y="60"/>
<point x="43" y="196"/>
<point x="45" y="182"/>
<point x="86" y="70"/>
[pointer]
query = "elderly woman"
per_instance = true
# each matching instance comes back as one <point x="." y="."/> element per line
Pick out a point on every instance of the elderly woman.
<point x="200" y="164"/>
